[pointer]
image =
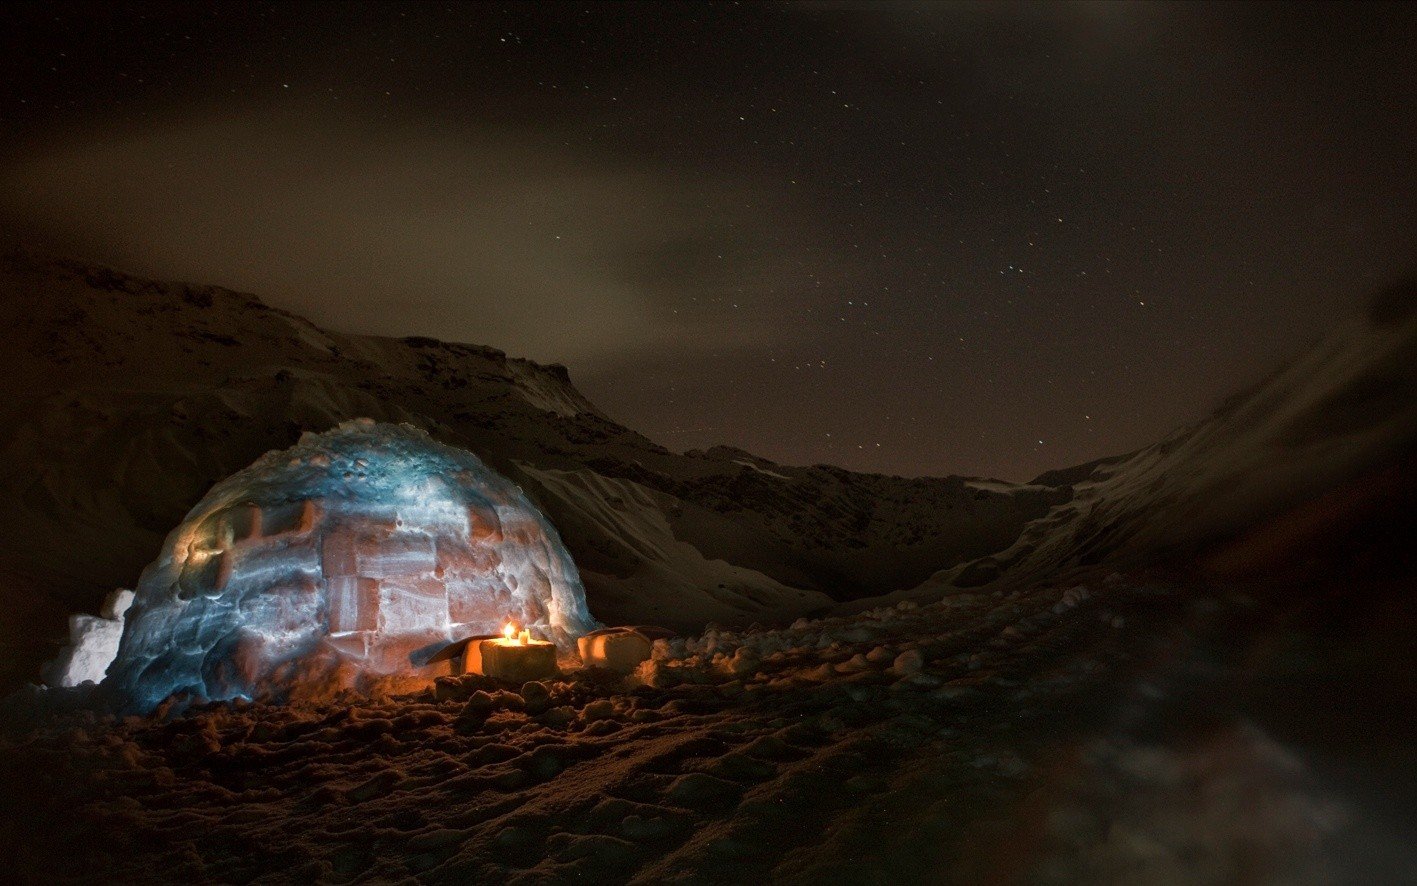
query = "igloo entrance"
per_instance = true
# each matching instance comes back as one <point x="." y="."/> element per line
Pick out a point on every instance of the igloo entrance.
<point x="348" y="557"/>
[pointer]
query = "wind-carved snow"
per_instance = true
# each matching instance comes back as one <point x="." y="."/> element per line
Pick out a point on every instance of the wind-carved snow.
<point x="349" y="557"/>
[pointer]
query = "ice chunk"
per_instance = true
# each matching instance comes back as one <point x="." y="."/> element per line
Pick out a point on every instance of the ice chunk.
<point x="338" y="560"/>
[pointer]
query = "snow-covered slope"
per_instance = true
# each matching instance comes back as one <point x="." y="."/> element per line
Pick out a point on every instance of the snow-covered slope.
<point x="1276" y="471"/>
<point x="642" y="568"/>
<point x="125" y="399"/>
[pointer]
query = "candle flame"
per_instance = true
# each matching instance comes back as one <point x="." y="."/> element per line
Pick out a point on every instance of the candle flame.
<point x="509" y="630"/>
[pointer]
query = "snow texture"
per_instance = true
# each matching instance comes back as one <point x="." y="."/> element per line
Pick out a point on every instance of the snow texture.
<point x="350" y="557"/>
<point x="1032" y="744"/>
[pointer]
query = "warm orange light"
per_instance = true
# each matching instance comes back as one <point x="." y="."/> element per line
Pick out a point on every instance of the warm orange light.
<point x="509" y="630"/>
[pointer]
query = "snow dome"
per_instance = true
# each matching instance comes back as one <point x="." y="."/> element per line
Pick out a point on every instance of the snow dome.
<point x="349" y="557"/>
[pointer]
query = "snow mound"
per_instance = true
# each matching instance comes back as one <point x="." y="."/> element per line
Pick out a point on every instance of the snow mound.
<point x="347" y="558"/>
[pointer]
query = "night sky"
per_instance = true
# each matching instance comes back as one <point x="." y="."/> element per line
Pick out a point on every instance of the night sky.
<point x="911" y="238"/>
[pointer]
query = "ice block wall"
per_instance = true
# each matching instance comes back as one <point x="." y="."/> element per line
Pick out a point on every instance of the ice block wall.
<point x="355" y="553"/>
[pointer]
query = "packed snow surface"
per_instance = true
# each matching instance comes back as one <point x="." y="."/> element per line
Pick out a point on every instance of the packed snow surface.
<point x="350" y="557"/>
<point x="1045" y="736"/>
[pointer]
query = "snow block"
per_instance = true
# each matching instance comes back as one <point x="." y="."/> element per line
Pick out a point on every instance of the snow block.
<point x="618" y="649"/>
<point x="511" y="661"/>
<point x="93" y="642"/>
<point x="340" y="562"/>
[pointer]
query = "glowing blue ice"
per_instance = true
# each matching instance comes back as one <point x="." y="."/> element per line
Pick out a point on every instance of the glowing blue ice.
<point x="349" y="556"/>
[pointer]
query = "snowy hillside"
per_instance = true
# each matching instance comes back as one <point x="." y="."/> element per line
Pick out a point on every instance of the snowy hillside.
<point x="1271" y="476"/>
<point x="1066" y="709"/>
<point x="125" y="399"/>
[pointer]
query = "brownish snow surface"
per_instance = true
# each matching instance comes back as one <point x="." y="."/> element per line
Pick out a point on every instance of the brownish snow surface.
<point x="1006" y="737"/>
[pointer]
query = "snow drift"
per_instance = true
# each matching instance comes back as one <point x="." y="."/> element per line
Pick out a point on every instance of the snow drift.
<point x="349" y="557"/>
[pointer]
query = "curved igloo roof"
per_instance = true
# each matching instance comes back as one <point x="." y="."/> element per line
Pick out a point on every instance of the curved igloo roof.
<point x="350" y="556"/>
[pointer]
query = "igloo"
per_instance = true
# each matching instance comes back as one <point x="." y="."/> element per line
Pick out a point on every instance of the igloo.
<point x="348" y="558"/>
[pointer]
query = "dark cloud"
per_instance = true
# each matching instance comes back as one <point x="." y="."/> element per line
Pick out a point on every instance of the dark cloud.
<point x="911" y="237"/>
<point x="489" y="236"/>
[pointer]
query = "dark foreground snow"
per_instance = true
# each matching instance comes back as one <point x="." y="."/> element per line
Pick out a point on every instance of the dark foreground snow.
<point x="1052" y="735"/>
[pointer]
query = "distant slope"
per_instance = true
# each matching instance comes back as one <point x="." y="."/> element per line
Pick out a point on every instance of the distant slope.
<point x="1317" y="450"/>
<point x="123" y="399"/>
